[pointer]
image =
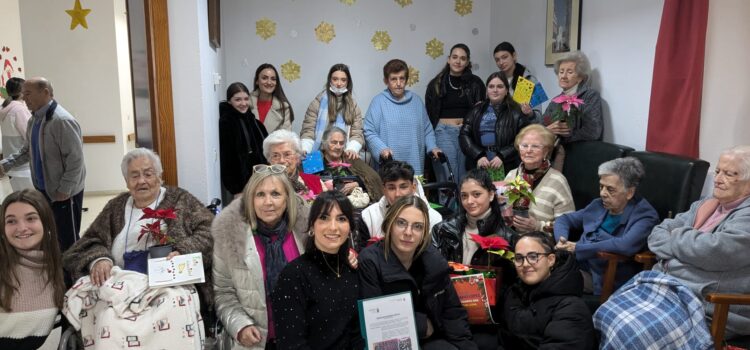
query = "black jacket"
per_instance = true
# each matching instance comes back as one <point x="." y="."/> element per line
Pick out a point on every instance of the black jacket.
<point x="378" y="276"/>
<point x="510" y="120"/>
<point x="238" y="154"/>
<point x="550" y="315"/>
<point x="473" y="89"/>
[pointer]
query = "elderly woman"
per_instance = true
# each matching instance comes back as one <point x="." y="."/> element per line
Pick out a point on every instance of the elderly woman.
<point x="282" y="147"/>
<point x="550" y="188"/>
<point x="113" y="237"/>
<point x="255" y="239"/>
<point x="332" y="148"/>
<point x="618" y="222"/>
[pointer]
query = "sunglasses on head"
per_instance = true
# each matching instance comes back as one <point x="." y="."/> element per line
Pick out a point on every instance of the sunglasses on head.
<point x="263" y="168"/>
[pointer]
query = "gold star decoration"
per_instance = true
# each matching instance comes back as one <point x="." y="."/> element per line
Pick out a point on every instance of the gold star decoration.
<point x="348" y="2"/>
<point x="265" y="28"/>
<point x="78" y="16"/>
<point x="463" y="7"/>
<point x="325" y="32"/>
<point x="381" y="40"/>
<point x="413" y="76"/>
<point x="434" y="48"/>
<point x="403" y="3"/>
<point x="290" y="71"/>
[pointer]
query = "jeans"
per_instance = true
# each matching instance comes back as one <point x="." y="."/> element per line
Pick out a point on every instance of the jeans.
<point x="446" y="137"/>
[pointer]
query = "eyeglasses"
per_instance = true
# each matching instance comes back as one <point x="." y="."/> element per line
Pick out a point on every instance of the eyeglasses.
<point x="525" y="146"/>
<point x="287" y="155"/>
<point x="263" y="168"/>
<point x="531" y="257"/>
<point x="402" y="225"/>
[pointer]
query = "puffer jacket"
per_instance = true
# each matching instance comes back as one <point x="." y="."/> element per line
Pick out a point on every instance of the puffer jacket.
<point x="510" y="120"/>
<point x="239" y="289"/>
<point x="549" y="315"/>
<point x="379" y="276"/>
<point x="474" y="91"/>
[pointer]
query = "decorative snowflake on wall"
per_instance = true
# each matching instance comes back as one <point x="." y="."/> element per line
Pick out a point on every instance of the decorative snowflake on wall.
<point x="381" y="40"/>
<point x="290" y="71"/>
<point x="265" y="28"/>
<point x="434" y="48"/>
<point x="403" y="3"/>
<point x="413" y="76"/>
<point x="348" y="2"/>
<point x="325" y="32"/>
<point x="464" y="7"/>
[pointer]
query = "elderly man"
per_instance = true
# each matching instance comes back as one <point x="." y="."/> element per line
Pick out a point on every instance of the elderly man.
<point x="54" y="148"/>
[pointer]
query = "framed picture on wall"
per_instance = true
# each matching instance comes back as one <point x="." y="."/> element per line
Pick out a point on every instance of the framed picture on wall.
<point x="563" y="29"/>
<point x="214" y="23"/>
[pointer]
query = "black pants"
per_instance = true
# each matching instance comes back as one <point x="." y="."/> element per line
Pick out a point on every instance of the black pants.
<point x="67" y="219"/>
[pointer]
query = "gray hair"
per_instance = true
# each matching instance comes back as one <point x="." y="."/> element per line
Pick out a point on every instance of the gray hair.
<point x="279" y="137"/>
<point x="583" y="67"/>
<point x="138" y="153"/>
<point x="630" y="170"/>
<point x="327" y="134"/>
<point x="741" y="156"/>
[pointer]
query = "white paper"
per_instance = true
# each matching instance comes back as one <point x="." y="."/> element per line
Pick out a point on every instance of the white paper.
<point x="388" y="322"/>
<point x="180" y="270"/>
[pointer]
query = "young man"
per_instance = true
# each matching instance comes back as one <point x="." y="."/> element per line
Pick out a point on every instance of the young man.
<point x="396" y="123"/>
<point x="398" y="181"/>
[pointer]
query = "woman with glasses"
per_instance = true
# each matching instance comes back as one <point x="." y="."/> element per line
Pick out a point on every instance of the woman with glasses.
<point x="544" y="309"/>
<point x="315" y="300"/>
<point x="490" y="127"/>
<point x="405" y="261"/>
<point x="282" y="147"/>
<point x="255" y="238"/>
<point x="551" y="191"/>
<point x="267" y="100"/>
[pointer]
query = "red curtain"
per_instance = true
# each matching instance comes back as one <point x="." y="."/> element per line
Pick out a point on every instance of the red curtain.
<point x="677" y="86"/>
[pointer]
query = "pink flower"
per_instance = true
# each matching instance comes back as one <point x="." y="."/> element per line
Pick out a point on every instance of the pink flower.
<point x="339" y="164"/>
<point x="309" y="196"/>
<point x="566" y="101"/>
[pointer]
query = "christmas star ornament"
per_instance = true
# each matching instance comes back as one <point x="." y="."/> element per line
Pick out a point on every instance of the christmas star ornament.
<point x="381" y="40"/>
<point x="348" y="2"/>
<point x="413" y="76"/>
<point x="434" y="48"/>
<point x="290" y="71"/>
<point x="325" y="32"/>
<point x="78" y="16"/>
<point x="464" y="7"/>
<point x="404" y="3"/>
<point x="265" y="28"/>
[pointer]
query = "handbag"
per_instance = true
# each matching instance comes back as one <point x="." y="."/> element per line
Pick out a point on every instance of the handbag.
<point x="359" y="198"/>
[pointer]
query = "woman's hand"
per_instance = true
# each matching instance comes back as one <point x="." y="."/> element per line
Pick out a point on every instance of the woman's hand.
<point x="496" y="163"/>
<point x="172" y="255"/>
<point x="348" y="187"/>
<point x="249" y="336"/>
<point x="525" y="224"/>
<point x="564" y="244"/>
<point x="350" y="154"/>
<point x="526" y="109"/>
<point x="483" y="162"/>
<point x="430" y="329"/>
<point x="559" y="128"/>
<point x="101" y="272"/>
<point x="353" y="258"/>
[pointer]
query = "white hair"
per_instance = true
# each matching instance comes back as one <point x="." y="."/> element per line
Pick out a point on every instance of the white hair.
<point x="279" y="137"/>
<point x="741" y="155"/>
<point x="138" y="153"/>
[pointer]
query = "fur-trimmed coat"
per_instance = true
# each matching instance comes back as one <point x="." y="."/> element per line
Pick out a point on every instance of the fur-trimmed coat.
<point x="191" y="232"/>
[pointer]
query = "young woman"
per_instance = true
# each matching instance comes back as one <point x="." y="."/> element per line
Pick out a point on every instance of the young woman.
<point x="240" y="139"/>
<point x="449" y="97"/>
<point x="14" y="116"/>
<point x="315" y="300"/>
<point x="506" y="60"/>
<point x="268" y="102"/>
<point x="405" y="261"/>
<point x="334" y="107"/>
<point x="31" y="275"/>
<point x="544" y="308"/>
<point x="491" y="127"/>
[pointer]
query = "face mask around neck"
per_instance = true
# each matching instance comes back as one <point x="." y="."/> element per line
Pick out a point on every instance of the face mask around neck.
<point x="338" y="91"/>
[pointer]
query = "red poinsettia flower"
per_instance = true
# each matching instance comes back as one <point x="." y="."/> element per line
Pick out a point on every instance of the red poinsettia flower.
<point x="168" y="213"/>
<point x="493" y="242"/>
<point x="373" y="240"/>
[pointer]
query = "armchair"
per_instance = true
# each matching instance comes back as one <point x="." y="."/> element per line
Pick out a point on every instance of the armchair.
<point x="582" y="160"/>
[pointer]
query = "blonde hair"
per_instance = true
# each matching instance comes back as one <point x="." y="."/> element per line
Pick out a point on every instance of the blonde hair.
<point x="548" y="138"/>
<point x="249" y="193"/>
<point x="390" y="218"/>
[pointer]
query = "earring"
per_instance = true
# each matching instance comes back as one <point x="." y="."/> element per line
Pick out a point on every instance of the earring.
<point x="311" y="233"/>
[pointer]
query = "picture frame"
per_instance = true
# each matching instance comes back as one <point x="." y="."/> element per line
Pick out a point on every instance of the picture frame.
<point x="214" y="23"/>
<point x="563" y="29"/>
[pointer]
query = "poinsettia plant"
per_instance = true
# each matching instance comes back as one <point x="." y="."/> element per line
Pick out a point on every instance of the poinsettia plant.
<point x="519" y="193"/>
<point x="570" y="108"/>
<point x="494" y="245"/>
<point x="154" y="228"/>
<point x="338" y="168"/>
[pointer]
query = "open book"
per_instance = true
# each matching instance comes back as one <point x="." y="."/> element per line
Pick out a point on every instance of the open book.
<point x="182" y="269"/>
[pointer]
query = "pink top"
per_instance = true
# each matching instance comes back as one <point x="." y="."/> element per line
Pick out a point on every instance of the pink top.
<point x="290" y="253"/>
<point x="719" y="213"/>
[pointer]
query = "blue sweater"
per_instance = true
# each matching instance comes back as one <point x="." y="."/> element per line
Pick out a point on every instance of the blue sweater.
<point x="401" y="125"/>
<point x="628" y="238"/>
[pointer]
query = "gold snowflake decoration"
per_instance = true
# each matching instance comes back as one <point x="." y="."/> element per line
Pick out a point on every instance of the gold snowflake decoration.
<point x="413" y="76"/>
<point x="434" y="48"/>
<point x="290" y="71"/>
<point x="403" y="3"/>
<point x="265" y="28"/>
<point x="381" y="40"/>
<point x="348" y="2"/>
<point x="325" y="32"/>
<point x="463" y="7"/>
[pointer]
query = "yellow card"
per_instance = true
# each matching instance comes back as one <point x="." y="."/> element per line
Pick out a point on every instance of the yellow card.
<point x="524" y="90"/>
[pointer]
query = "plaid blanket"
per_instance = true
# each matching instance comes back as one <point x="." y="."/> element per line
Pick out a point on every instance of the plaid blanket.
<point x="653" y="311"/>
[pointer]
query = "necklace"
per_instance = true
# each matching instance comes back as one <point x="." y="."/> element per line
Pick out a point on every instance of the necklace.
<point x="450" y="83"/>
<point x="337" y="270"/>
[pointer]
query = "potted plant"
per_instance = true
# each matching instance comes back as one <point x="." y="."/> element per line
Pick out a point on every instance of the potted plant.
<point x="520" y="196"/>
<point x="157" y="230"/>
<point x="569" y="109"/>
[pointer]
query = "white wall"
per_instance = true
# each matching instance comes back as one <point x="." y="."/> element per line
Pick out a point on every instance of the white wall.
<point x="89" y="71"/>
<point x="196" y="111"/>
<point x="409" y="27"/>
<point x="10" y="27"/>
<point x="619" y="38"/>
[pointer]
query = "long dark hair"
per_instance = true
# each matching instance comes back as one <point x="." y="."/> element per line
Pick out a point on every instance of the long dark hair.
<point x="347" y="103"/>
<point x="9" y="257"/>
<point x="13" y="86"/>
<point x="441" y="79"/>
<point x="508" y="100"/>
<point x="323" y="204"/>
<point x="278" y="92"/>
<point x="235" y="88"/>
<point x="483" y="178"/>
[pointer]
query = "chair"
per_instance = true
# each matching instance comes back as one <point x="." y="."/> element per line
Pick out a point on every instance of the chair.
<point x="443" y="191"/>
<point x="582" y="160"/>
